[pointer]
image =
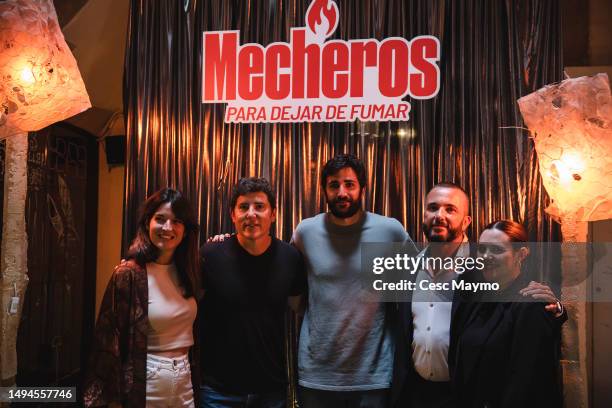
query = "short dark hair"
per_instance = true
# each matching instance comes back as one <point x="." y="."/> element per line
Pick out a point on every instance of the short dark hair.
<point x="341" y="161"/>
<point x="185" y="256"/>
<point x="449" y="184"/>
<point x="515" y="231"/>
<point x="248" y="185"/>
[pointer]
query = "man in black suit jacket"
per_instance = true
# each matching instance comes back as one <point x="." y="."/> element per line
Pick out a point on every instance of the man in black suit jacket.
<point x="427" y="329"/>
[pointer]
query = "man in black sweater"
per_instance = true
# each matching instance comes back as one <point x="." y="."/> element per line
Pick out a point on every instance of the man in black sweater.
<point x="248" y="280"/>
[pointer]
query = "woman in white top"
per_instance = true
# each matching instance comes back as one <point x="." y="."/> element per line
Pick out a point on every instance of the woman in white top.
<point x="144" y="333"/>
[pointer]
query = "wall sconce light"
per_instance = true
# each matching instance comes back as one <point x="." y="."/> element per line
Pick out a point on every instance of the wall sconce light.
<point x="571" y="123"/>
<point x="40" y="83"/>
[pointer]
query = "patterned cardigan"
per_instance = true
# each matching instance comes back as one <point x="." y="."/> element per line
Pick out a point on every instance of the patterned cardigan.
<point x="117" y="367"/>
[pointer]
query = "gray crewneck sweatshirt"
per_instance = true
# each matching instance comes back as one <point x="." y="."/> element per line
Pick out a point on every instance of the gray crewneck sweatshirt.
<point x="345" y="343"/>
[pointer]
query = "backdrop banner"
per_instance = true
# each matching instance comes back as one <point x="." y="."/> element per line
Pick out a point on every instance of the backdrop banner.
<point x="491" y="54"/>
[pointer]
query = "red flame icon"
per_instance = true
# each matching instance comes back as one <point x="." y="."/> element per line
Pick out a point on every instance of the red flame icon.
<point x="319" y="10"/>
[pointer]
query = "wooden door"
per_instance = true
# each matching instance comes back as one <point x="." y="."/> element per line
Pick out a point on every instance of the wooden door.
<point x="61" y="221"/>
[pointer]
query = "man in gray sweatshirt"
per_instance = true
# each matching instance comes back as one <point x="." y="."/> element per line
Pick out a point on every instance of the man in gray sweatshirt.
<point x="345" y="354"/>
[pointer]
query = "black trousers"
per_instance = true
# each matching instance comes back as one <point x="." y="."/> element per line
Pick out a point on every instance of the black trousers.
<point x="311" y="398"/>
<point x="430" y="394"/>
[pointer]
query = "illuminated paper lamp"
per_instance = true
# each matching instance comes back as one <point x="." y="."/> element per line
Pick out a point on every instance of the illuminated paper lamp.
<point x="40" y="84"/>
<point x="571" y="126"/>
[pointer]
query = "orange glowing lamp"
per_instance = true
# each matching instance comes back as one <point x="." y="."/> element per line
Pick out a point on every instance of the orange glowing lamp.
<point x="571" y="125"/>
<point x="40" y="83"/>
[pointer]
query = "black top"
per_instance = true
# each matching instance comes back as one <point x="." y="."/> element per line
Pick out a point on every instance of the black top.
<point x="243" y="315"/>
<point x="508" y="355"/>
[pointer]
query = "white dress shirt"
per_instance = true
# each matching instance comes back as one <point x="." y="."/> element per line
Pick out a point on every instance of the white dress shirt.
<point x="431" y="318"/>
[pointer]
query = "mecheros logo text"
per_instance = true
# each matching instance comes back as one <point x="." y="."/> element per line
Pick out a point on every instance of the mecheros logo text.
<point x="282" y="80"/>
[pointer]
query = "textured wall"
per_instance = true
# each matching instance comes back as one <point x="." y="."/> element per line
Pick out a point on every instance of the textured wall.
<point x="575" y="332"/>
<point x="13" y="268"/>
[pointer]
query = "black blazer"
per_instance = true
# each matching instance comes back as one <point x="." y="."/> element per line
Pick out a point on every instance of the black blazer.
<point x="464" y="304"/>
<point x="507" y="355"/>
<point x="403" y="367"/>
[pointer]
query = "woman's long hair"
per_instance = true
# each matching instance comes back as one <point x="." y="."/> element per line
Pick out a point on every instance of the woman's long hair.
<point x="186" y="256"/>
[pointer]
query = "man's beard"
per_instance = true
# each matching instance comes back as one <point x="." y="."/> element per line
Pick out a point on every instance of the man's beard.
<point x="452" y="233"/>
<point x="351" y="210"/>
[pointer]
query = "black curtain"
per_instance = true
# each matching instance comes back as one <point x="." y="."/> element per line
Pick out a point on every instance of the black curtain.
<point x="493" y="52"/>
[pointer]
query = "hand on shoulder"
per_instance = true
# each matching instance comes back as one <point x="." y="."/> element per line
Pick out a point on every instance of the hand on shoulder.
<point x="219" y="237"/>
<point x="542" y="292"/>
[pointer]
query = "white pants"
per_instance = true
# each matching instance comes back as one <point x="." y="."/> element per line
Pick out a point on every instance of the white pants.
<point x="169" y="382"/>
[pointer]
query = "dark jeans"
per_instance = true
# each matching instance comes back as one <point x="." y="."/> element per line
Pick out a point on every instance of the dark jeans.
<point x="211" y="398"/>
<point x="311" y="398"/>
